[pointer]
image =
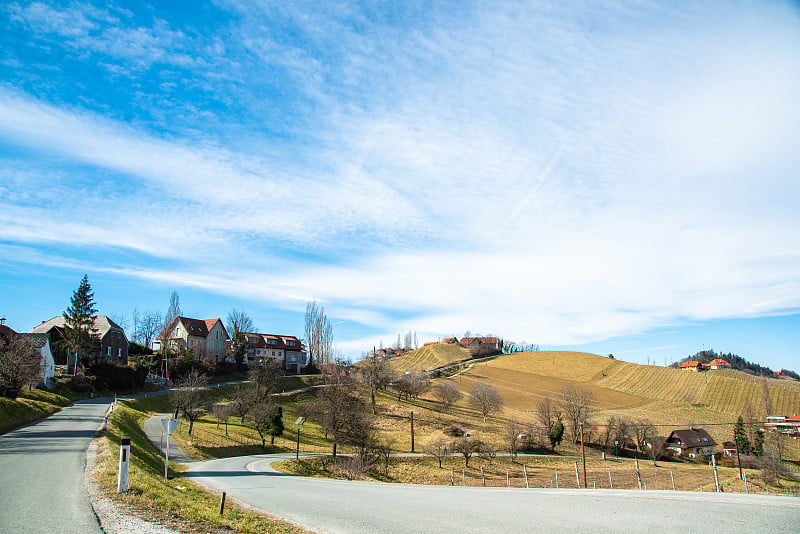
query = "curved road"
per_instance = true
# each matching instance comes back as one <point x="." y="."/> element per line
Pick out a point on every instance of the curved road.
<point x="42" y="484"/>
<point x="350" y="507"/>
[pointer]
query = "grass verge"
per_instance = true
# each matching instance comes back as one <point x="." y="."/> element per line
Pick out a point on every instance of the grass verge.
<point x="178" y="503"/>
<point x="32" y="405"/>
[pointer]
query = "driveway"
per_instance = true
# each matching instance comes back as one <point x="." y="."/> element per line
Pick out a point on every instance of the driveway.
<point x="352" y="507"/>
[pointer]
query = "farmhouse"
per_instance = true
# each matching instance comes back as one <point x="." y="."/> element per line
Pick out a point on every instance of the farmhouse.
<point x="691" y="443"/>
<point x="113" y="343"/>
<point x="205" y="337"/>
<point x="692" y="365"/>
<point x="717" y="363"/>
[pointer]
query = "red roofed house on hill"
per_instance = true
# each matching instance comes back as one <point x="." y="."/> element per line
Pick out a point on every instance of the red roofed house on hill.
<point x="286" y="350"/>
<point x="692" y="365"/>
<point x="206" y="337"/>
<point x="718" y="364"/>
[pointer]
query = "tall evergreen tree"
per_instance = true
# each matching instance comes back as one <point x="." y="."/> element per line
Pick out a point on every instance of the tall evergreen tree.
<point x="80" y="337"/>
<point x="740" y="436"/>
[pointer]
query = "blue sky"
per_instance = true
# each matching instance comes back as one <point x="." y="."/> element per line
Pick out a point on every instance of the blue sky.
<point x="613" y="177"/>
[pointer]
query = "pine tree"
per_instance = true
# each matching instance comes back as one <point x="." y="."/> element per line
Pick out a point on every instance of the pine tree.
<point x="740" y="436"/>
<point x="80" y="338"/>
<point x="276" y="424"/>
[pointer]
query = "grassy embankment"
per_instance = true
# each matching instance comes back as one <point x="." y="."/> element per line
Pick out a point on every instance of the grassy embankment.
<point x="32" y="405"/>
<point x="178" y="503"/>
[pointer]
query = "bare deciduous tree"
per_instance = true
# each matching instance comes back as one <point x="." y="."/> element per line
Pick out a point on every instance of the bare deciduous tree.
<point x="150" y="325"/>
<point x="486" y="399"/>
<point x="238" y="320"/>
<point x="643" y="433"/>
<point x="546" y="414"/>
<point x="378" y="374"/>
<point x="20" y="365"/>
<point x="222" y="413"/>
<point x="174" y="310"/>
<point x="319" y="337"/>
<point x="188" y="398"/>
<point x="334" y="408"/>
<point x="267" y="420"/>
<point x="242" y="400"/>
<point x="466" y="447"/>
<point x="513" y="438"/>
<point x="411" y="386"/>
<point x="577" y="404"/>
<point x="439" y="448"/>
<point x="238" y="324"/>
<point x="447" y="393"/>
<point x="266" y="375"/>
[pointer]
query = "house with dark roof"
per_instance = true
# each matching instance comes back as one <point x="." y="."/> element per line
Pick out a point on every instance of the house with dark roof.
<point x="113" y="343"/>
<point x="205" y="337"/>
<point x="691" y="443"/>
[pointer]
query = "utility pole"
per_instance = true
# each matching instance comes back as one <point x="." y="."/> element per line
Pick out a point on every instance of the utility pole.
<point x="583" y="458"/>
<point x="412" y="430"/>
<point x="738" y="458"/>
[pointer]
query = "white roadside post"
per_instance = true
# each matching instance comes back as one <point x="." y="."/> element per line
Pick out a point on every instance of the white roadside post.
<point x="124" y="461"/>
<point x="169" y="427"/>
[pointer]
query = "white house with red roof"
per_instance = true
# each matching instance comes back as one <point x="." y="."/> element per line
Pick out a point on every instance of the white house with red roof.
<point x="718" y="363"/>
<point x="206" y="337"/>
<point x="286" y="350"/>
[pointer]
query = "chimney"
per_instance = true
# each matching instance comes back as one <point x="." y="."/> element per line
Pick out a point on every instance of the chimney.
<point x="2" y="320"/>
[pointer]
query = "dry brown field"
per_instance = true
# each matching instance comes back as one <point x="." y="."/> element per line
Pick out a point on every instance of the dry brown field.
<point x="429" y="357"/>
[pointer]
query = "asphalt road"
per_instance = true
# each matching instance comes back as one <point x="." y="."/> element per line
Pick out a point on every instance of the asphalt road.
<point x="352" y="507"/>
<point x="42" y="484"/>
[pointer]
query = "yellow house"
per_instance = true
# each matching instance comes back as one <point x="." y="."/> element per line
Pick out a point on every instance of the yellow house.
<point x="692" y="365"/>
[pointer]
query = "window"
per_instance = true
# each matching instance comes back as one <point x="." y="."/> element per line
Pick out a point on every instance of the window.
<point x="273" y="353"/>
<point x="221" y="345"/>
<point x="290" y="343"/>
<point x="119" y="353"/>
<point x="216" y="334"/>
<point x="109" y="350"/>
<point x="272" y="341"/>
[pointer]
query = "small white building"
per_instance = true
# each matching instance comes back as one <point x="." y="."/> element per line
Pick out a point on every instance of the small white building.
<point x="41" y="343"/>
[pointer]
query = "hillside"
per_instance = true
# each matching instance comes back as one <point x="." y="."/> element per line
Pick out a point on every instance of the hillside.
<point x="429" y="357"/>
<point x="666" y="396"/>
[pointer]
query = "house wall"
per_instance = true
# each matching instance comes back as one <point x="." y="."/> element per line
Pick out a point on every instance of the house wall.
<point x="114" y="347"/>
<point x="215" y="343"/>
<point x="48" y="366"/>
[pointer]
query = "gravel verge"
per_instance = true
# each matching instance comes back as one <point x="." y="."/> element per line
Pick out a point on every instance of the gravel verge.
<point x="113" y="519"/>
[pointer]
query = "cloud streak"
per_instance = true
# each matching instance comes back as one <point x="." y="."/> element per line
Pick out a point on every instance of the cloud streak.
<point x="532" y="170"/>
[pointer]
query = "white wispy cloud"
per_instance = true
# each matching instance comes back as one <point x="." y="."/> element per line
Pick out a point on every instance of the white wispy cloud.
<point x="531" y="170"/>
